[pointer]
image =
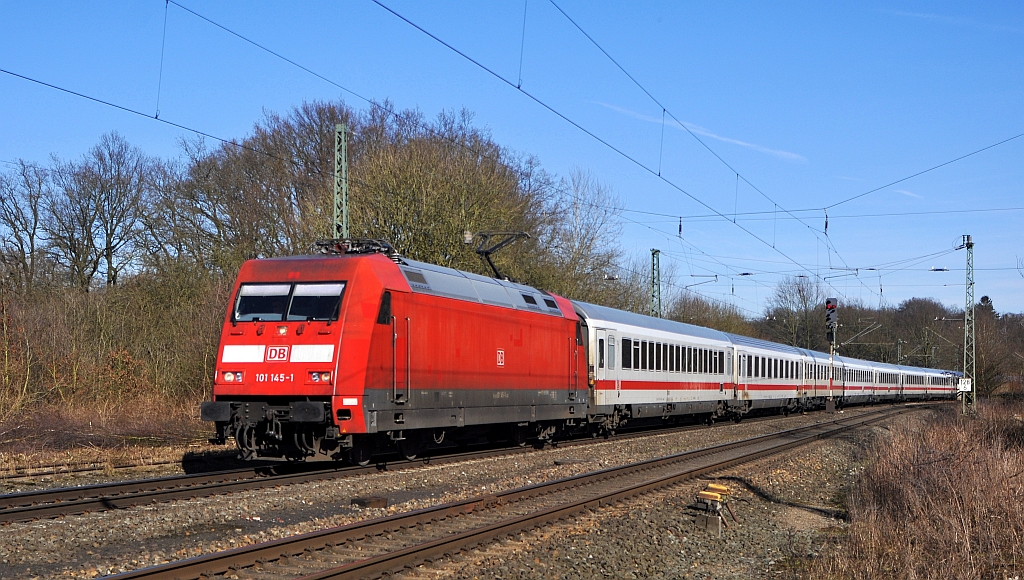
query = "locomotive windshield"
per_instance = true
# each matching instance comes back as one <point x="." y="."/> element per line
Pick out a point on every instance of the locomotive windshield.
<point x="316" y="301"/>
<point x="276" y="302"/>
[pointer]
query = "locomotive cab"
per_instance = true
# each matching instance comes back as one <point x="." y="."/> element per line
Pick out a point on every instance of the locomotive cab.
<point x="292" y="326"/>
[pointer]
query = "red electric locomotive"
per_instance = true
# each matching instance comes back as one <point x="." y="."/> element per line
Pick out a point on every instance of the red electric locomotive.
<point x="354" y="351"/>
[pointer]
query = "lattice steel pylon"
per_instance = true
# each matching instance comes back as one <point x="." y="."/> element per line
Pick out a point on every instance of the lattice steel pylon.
<point x="340" y="182"/>
<point x="969" y="398"/>
<point x="655" y="283"/>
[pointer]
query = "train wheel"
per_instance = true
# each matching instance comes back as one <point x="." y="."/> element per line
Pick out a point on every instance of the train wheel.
<point x="411" y="447"/>
<point x="520" y="435"/>
<point x="360" y="455"/>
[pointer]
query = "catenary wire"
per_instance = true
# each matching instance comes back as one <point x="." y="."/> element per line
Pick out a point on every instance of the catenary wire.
<point x="592" y="135"/>
<point x="739" y="176"/>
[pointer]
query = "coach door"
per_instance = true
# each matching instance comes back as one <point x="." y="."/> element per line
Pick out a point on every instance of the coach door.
<point x="741" y="376"/>
<point x="401" y="349"/>
<point x="605" y="373"/>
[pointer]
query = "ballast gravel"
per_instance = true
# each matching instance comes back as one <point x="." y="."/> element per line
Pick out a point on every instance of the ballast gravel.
<point x="786" y="506"/>
<point x="92" y="545"/>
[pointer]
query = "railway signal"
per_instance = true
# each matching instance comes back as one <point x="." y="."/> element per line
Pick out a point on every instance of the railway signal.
<point x="831" y="312"/>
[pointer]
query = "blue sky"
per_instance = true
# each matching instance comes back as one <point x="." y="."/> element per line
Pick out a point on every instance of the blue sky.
<point x="810" y="104"/>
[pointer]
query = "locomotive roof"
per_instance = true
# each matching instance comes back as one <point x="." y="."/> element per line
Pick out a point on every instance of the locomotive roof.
<point x="449" y="282"/>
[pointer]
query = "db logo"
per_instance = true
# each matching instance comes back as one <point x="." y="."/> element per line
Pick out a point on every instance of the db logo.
<point x="277" y="353"/>
<point x="501" y="358"/>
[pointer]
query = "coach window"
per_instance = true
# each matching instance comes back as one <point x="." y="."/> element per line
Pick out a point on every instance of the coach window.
<point x="658" y="359"/>
<point x="650" y="355"/>
<point x="664" y="357"/>
<point x="600" y="353"/>
<point x="611" y="353"/>
<point x="680" y="364"/>
<point x="643" y="355"/>
<point x="627" y="353"/>
<point x="750" y="362"/>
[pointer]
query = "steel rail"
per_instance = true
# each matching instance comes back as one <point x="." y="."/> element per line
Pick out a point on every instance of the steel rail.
<point x="102" y="497"/>
<point x="280" y="551"/>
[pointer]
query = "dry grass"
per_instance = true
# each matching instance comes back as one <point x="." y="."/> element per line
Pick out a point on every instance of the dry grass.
<point x="144" y="431"/>
<point x="943" y="498"/>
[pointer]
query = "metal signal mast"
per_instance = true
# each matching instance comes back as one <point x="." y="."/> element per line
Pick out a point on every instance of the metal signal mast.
<point x="341" y="182"/>
<point x="969" y="397"/>
<point x="656" y="283"/>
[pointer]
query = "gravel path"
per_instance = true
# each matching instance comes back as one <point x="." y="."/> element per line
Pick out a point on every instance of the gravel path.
<point x="784" y="504"/>
<point x="104" y="543"/>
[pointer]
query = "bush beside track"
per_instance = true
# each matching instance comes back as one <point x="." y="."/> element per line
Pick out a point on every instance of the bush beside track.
<point x="939" y="498"/>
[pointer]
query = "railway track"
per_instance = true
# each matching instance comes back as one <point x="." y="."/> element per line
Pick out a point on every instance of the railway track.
<point x="52" y="503"/>
<point x="381" y="546"/>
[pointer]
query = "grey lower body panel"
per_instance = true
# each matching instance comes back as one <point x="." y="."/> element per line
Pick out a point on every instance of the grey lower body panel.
<point x="445" y="409"/>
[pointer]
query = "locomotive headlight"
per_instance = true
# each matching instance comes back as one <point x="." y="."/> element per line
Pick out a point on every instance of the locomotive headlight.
<point x="315" y="377"/>
<point x="282" y="330"/>
<point x="325" y="377"/>
<point x="232" y="377"/>
<point x="318" y="377"/>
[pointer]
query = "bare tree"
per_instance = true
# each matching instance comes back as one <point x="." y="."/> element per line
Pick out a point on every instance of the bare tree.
<point x="21" y="245"/>
<point x="119" y="174"/>
<point x="793" y="315"/>
<point x="583" y="239"/>
<point x="70" y="225"/>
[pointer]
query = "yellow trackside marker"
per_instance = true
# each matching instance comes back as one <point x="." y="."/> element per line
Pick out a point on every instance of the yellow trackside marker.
<point x="709" y="496"/>
<point x="718" y="488"/>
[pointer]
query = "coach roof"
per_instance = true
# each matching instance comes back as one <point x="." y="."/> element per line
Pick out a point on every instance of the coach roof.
<point x="622" y="317"/>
